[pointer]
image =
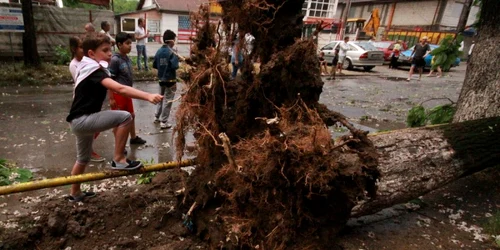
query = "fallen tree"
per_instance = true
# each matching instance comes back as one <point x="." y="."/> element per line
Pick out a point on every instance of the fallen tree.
<point x="412" y="162"/>
<point x="416" y="161"/>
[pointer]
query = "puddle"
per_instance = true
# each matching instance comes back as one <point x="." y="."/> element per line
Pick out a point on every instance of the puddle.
<point x="394" y="78"/>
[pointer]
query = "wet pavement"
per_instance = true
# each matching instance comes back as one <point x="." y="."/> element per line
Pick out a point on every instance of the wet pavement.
<point x="35" y="135"/>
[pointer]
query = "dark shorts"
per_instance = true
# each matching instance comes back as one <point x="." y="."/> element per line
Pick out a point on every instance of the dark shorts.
<point x="418" y="62"/>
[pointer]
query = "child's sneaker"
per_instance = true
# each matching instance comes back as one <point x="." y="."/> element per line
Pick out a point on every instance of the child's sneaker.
<point x="137" y="140"/>
<point x="156" y="120"/>
<point x="130" y="165"/>
<point x="164" y="125"/>
<point x="81" y="197"/>
<point x="96" y="158"/>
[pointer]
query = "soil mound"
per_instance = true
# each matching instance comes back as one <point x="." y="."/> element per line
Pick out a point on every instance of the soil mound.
<point x="137" y="217"/>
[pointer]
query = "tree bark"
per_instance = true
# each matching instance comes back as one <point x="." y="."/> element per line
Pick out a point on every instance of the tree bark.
<point x="30" y="50"/>
<point x="480" y="95"/>
<point x="416" y="161"/>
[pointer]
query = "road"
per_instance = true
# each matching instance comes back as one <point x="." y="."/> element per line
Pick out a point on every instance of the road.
<point x="35" y="135"/>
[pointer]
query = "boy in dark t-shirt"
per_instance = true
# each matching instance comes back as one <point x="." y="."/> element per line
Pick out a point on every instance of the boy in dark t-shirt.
<point x="121" y="71"/>
<point x="86" y="118"/>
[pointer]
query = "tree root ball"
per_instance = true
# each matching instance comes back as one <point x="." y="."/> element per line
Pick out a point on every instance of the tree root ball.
<point x="269" y="175"/>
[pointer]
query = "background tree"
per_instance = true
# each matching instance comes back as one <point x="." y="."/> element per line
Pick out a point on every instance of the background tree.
<point x="480" y="95"/>
<point x="120" y="6"/>
<point x="30" y="50"/>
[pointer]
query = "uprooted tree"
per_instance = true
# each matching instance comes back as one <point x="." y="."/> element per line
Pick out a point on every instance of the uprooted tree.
<point x="269" y="176"/>
<point x="268" y="173"/>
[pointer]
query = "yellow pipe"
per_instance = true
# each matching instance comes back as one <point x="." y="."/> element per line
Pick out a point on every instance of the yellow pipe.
<point x="61" y="181"/>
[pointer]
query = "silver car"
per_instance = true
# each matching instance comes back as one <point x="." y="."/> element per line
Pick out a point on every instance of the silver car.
<point x="360" y="54"/>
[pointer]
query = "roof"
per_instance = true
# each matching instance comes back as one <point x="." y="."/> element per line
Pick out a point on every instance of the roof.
<point x="180" y="5"/>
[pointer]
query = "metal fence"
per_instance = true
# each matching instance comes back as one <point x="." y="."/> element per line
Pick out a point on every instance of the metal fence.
<point x="54" y="26"/>
<point x="412" y="37"/>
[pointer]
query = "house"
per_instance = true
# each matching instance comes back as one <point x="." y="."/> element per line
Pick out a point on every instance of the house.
<point x="399" y="19"/>
<point x="161" y="15"/>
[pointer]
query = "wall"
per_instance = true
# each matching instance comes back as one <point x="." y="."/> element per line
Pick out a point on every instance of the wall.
<point x="169" y="22"/>
<point x="54" y="26"/>
<point x="414" y="13"/>
<point x="452" y="13"/>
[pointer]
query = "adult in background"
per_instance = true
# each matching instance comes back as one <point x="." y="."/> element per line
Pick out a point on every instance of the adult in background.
<point x="343" y="48"/>
<point x="420" y="51"/>
<point x="470" y="51"/>
<point x="89" y="28"/>
<point x="141" y="34"/>
<point x="236" y="53"/>
<point x="105" y="28"/>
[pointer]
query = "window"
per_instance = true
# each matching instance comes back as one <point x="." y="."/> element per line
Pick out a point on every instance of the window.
<point x="154" y="26"/>
<point x="368" y="46"/>
<point x="318" y="8"/>
<point x="128" y="24"/>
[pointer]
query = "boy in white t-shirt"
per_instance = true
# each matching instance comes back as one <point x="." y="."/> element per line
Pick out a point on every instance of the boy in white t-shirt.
<point x="141" y="34"/>
<point x="343" y="48"/>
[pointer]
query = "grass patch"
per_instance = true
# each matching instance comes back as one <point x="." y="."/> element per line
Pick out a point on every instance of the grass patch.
<point x="10" y="174"/>
<point x="13" y="74"/>
<point x="146" y="178"/>
<point x="492" y="225"/>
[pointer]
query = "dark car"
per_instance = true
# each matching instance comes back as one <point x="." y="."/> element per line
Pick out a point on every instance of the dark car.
<point x="387" y="47"/>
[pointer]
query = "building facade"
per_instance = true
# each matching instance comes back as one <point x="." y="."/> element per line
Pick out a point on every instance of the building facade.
<point x="161" y="15"/>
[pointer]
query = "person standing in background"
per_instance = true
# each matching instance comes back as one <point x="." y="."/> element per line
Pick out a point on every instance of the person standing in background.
<point x="89" y="28"/>
<point x="343" y="48"/>
<point x="395" y="55"/>
<point x="141" y="34"/>
<point x="105" y="28"/>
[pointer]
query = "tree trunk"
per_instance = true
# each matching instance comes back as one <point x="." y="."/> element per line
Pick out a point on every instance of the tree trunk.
<point x="30" y="51"/>
<point x="480" y="95"/>
<point x="416" y="161"/>
<point x="462" y="22"/>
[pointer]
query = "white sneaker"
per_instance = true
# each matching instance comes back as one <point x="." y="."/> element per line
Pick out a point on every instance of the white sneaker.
<point x="165" y="125"/>
<point x="156" y="120"/>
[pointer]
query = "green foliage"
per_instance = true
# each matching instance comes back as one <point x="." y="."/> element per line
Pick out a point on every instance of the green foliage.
<point x="146" y="178"/>
<point x="418" y="116"/>
<point x="63" y="55"/>
<point x="492" y="225"/>
<point x="9" y="173"/>
<point x="447" y="52"/>
<point x="120" y="6"/>
<point x="441" y="114"/>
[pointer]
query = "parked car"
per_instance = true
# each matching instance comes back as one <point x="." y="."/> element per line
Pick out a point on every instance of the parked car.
<point x="387" y="47"/>
<point x="405" y="59"/>
<point x="360" y="54"/>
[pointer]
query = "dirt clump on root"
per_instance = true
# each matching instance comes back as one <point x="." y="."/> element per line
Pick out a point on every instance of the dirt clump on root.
<point x="136" y="217"/>
<point x="268" y="173"/>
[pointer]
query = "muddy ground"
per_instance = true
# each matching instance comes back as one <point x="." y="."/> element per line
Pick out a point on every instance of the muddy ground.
<point x="35" y="135"/>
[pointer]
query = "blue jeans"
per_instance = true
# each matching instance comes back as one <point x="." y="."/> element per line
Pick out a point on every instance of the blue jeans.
<point x="141" y="51"/>
<point x="235" y="70"/>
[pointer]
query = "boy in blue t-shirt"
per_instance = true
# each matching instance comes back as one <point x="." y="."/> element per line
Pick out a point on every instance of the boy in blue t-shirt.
<point x="166" y="62"/>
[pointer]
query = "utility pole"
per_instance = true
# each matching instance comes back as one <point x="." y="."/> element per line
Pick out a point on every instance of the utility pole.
<point x="462" y="22"/>
<point x="346" y="11"/>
